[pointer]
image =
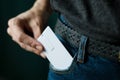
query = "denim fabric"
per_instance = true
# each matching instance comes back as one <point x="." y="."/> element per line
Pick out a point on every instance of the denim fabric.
<point x="95" y="67"/>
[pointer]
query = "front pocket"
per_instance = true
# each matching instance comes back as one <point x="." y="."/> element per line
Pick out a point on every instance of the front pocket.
<point x="67" y="71"/>
<point x="71" y="50"/>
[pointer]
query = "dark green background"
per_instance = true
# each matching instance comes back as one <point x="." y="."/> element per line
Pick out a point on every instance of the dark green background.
<point x="16" y="63"/>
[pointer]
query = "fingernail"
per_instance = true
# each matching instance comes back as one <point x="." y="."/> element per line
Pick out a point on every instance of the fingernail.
<point x="42" y="54"/>
<point x="39" y="47"/>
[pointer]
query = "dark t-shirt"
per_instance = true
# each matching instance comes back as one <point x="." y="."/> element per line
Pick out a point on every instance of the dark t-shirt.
<point x="99" y="19"/>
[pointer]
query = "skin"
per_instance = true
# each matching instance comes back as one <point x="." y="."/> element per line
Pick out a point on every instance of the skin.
<point x="25" y="28"/>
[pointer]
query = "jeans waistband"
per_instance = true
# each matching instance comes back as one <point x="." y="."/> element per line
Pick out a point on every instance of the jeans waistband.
<point x="94" y="47"/>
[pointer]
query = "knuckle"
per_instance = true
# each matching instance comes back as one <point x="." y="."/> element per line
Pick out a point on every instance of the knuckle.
<point x="13" y="21"/>
<point x="10" y="22"/>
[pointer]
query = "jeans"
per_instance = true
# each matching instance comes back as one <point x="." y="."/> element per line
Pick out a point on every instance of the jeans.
<point x="94" y="67"/>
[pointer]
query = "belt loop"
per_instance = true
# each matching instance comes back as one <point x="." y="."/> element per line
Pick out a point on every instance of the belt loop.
<point x="81" y="49"/>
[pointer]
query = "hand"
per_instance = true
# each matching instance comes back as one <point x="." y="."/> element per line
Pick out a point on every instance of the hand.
<point x="26" y="28"/>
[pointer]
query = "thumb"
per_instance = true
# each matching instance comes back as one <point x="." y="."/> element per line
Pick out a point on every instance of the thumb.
<point x="36" y="28"/>
<point x="36" y="32"/>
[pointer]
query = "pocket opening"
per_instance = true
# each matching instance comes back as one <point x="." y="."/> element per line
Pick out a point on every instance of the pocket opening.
<point x="67" y="71"/>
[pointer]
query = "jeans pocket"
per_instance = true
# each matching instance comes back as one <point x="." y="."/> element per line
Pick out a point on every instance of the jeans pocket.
<point x="67" y="71"/>
<point x="70" y="69"/>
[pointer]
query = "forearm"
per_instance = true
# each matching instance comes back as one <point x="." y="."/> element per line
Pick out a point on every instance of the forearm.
<point x="42" y="6"/>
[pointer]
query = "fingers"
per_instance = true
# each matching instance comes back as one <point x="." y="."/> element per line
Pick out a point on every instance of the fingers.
<point x="31" y="45"/>
<point x="26" y="42"/>
<point x="31" y="49"/>
<point x="16" y="31"/>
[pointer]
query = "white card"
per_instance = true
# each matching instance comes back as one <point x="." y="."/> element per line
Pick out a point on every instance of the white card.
<point x="56" y="53"/>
